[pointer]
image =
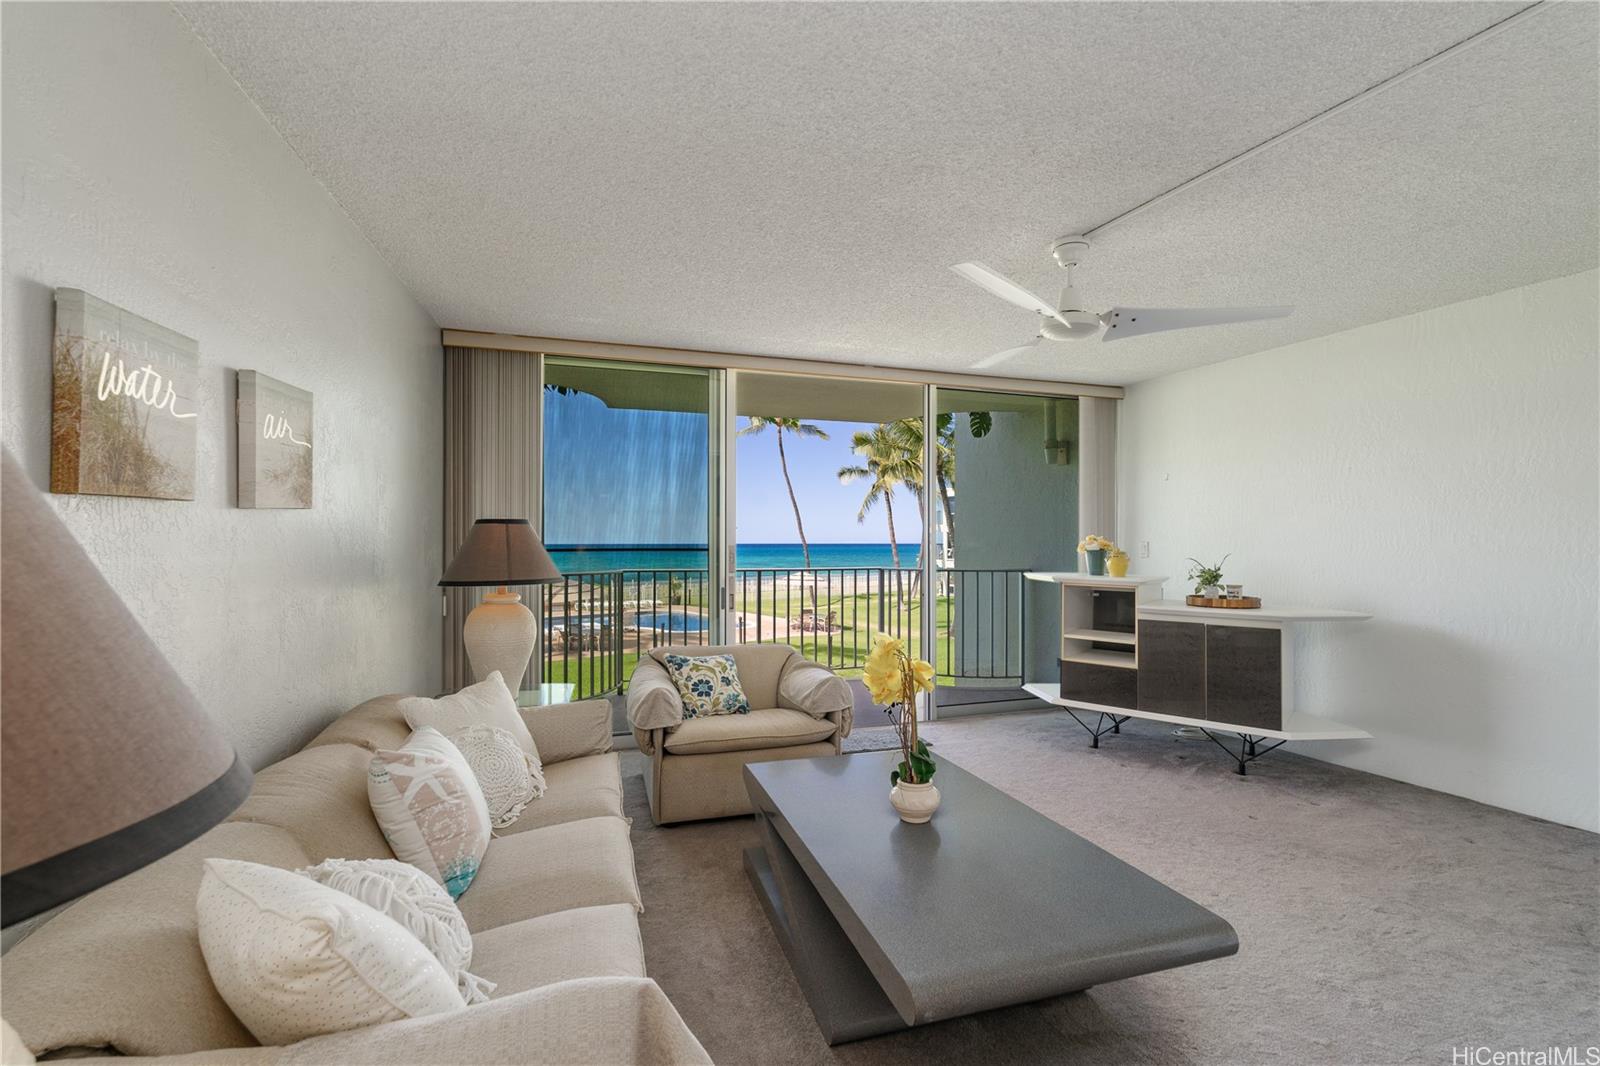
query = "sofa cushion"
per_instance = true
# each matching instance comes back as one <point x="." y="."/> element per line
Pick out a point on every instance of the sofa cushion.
<point x="509" y="777"/>
<point x="708" y="685"/>
<point x="590" y="787"/>
<point x="320" y="796"/>
<point x="295" y="958"/>
<point x="580" y="864"/>
<point x="569" y="730"/>
<point x="416" y="901"/>
<point x="564" y="946"/>
<point x="373" y="725"/>
<point x="489" y="702"/>
<point x="122" y="967"/>
<point x="772" y="727"/>
<point x="430" y="808"/>
<point x="595" y="1020"/>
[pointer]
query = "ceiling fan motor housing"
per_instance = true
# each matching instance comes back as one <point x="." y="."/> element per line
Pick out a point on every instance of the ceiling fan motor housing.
<point x="1073" y="322"/>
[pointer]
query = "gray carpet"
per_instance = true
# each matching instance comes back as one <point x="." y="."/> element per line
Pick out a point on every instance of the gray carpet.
<point x="1378" y="922"/>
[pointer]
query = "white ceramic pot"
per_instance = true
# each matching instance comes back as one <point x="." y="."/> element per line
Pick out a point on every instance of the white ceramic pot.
<point x="916" y="803"/>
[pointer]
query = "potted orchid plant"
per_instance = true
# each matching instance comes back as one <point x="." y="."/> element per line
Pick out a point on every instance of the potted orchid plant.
<point x="894" y="679"/>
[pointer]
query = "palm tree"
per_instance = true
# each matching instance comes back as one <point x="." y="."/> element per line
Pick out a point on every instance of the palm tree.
<point x="888" y="463"/>
<point x="907" y="433"/>
<point x="799" y="429"/>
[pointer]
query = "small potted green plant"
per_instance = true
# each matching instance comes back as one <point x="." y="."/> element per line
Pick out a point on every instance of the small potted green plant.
<point x="1207" y="579"/>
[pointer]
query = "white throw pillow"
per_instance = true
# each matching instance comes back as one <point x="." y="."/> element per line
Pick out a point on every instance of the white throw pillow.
<point x="509" y="777"/>
<point x="293" y="958"/>
<point x="488" y="702"/>
<point x="428" y="804"/>
<point x="419" y="903"/>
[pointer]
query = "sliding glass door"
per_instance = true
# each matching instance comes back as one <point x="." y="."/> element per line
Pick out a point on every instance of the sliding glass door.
<point x="630" y="517"/>
<point x="1008" y="473"/>
<point x="828" y="491"/>
<point x="695" y="506"/>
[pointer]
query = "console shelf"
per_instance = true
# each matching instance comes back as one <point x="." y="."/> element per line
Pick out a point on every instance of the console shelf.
<point x="1103" y="636"/>
<point x="1127" y="653"/>
<point x="1122" y="660"/>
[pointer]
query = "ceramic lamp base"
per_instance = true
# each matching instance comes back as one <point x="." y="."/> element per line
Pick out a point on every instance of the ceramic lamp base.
<point x="500" y="634"/>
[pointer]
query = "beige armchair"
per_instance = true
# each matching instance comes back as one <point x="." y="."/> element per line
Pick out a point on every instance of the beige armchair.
<point x="798" y="709"/>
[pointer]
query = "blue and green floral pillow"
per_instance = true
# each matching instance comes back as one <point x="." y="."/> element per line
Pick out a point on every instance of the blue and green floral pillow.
<point x="709" y="684"/>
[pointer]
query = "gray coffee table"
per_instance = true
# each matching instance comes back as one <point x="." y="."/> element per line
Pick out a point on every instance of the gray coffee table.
<point x="890" y="925"/>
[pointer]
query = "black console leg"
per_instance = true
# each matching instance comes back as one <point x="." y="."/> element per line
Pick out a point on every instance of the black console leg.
<point x="1099" y="729"/>
<point x="1249" y="750"/>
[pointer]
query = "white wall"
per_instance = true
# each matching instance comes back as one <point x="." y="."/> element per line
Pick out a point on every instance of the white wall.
<point x="1439" y="471"/>
<point x="135" y="169"/>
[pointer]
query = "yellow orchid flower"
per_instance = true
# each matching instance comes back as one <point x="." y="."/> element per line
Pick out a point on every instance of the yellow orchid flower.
<point x="922" y="671"/>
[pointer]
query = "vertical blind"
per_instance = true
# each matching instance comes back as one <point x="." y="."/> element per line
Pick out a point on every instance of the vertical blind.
<point x="491" y="448"/>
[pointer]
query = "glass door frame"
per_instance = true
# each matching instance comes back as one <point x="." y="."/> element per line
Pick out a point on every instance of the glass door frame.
<point x="726" y="480"/>
<point x="926" y="561"/>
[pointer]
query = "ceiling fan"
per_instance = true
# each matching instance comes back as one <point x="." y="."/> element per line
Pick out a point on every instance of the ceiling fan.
<point x="1071" y="321"/>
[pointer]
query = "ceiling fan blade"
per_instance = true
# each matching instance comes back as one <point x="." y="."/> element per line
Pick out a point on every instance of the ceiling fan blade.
<point x="1000" y="357"/>
<point x="1004" y="288"/>
<point x="1137" y="321"/>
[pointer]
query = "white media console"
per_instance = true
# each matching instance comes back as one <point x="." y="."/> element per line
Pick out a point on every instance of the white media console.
<point x="1128" y="653"/>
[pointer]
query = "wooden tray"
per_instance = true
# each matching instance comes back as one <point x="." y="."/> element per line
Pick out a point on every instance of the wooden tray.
<point x="1243" y="603"/>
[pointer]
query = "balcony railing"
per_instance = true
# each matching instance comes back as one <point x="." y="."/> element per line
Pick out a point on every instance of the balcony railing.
<point x="598" y="624"/>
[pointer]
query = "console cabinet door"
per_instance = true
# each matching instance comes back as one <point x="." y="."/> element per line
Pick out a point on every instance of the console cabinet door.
<point x="1244" y="676"/>
<point x="1172" y="668"/>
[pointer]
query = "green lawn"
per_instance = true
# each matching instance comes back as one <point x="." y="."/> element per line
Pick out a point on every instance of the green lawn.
<point x="857" y="621"/>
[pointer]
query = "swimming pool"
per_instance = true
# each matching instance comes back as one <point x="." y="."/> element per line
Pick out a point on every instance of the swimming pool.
<point x="674" y="620"/>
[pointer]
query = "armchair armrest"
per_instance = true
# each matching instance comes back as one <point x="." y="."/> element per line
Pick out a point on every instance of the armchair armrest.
<point x="815" y="690"/>
<point x="653" y="700"/>
<point x="565" y="731"/>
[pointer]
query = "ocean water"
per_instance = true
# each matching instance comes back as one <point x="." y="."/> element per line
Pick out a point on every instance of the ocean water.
<point x="573" y="559"/>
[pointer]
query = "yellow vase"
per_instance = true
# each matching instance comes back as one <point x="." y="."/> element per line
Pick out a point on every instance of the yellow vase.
<point x="1117" y="566"/>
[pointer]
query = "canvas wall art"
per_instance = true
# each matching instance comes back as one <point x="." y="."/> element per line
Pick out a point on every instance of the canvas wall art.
<point x="125" y="403"/>
<point x="274" y="443"/>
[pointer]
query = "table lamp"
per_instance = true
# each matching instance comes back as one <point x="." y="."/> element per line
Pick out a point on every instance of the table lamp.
<point x="501" y="632"/>
<point x="110" y="762"/>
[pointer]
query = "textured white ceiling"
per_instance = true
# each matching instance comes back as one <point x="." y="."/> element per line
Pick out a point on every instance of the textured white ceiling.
<point x="795" y="179"/>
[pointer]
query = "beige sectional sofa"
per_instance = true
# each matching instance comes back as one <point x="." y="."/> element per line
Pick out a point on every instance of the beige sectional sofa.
<point x="553" y="913"/>
<point x="799" y="710"/>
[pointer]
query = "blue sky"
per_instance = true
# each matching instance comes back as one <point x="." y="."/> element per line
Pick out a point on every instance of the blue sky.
<point x="639" y="477"/>
<point x="829" y="508"/>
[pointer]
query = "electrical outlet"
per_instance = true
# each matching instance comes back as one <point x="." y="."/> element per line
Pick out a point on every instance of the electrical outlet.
<point x="1144" y="549"/>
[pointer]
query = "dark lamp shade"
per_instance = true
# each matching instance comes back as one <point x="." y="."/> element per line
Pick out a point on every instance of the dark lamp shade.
<point x="109" y="761"/>
<point x="501" y="551"/>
